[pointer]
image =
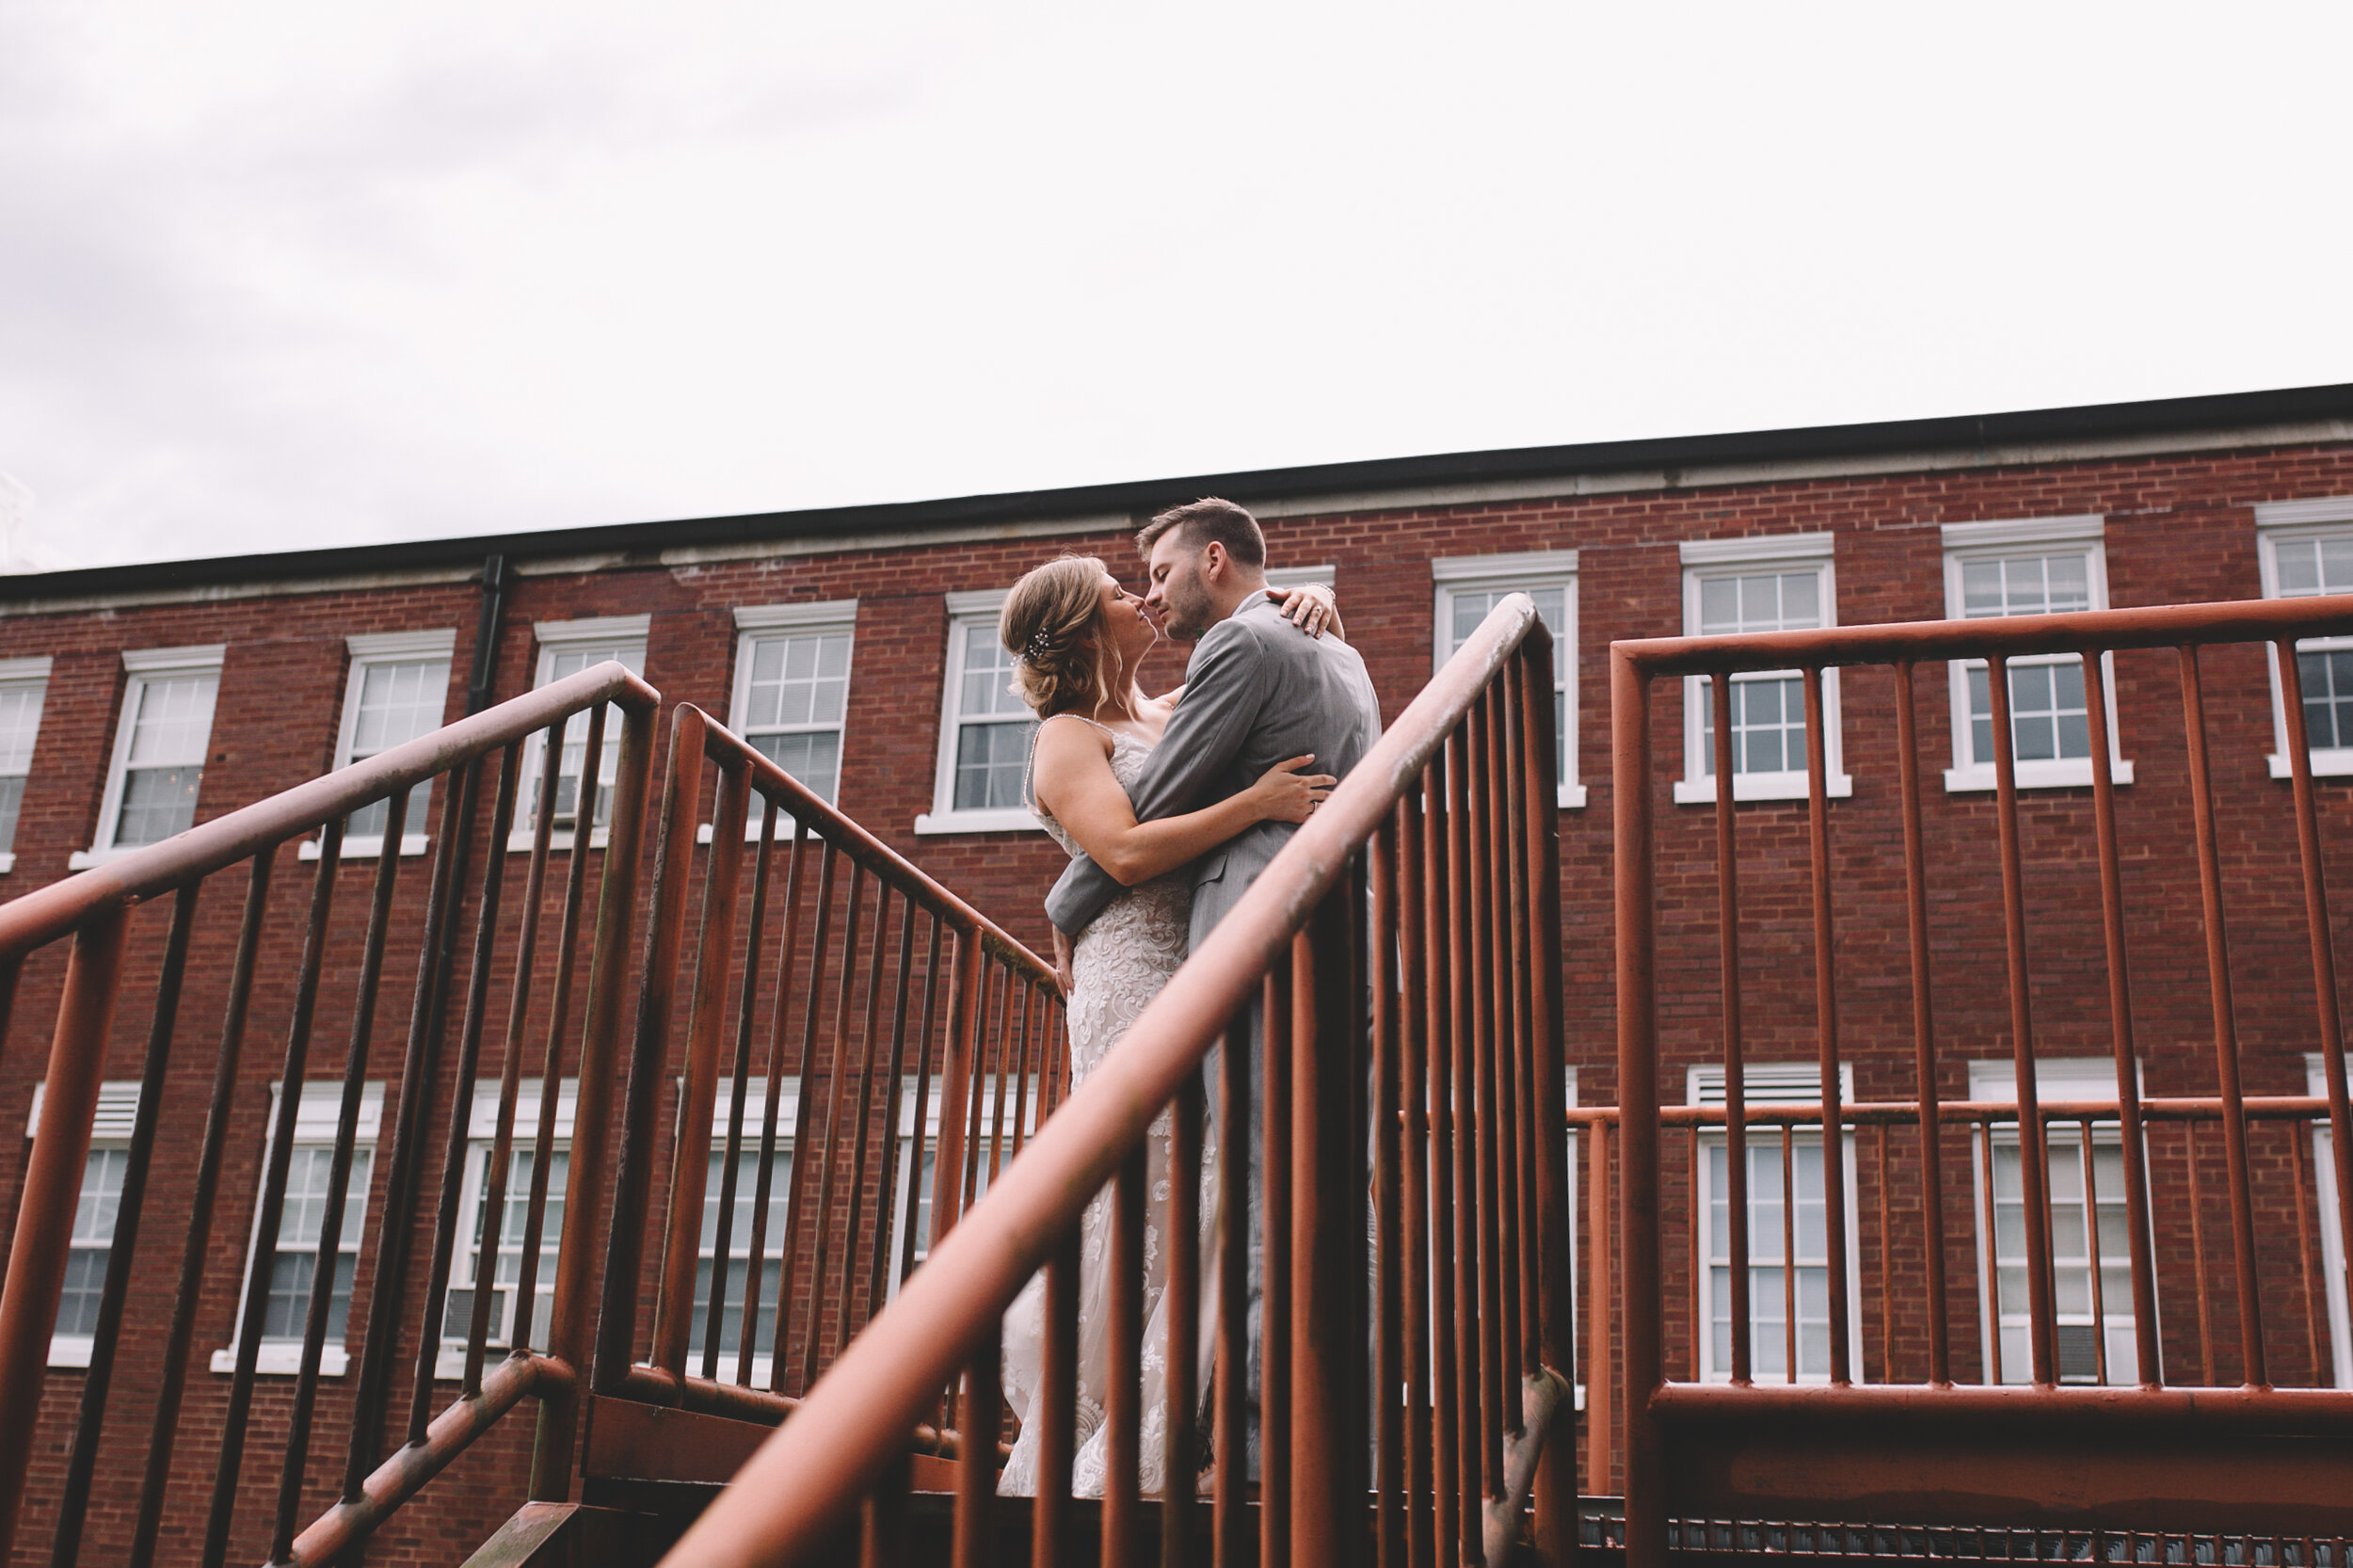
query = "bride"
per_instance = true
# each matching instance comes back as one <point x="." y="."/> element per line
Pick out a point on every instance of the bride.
<point x="1078" y="638"/>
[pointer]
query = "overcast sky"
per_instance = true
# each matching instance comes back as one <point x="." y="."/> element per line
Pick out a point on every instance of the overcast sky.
<point x="279" y="275"/>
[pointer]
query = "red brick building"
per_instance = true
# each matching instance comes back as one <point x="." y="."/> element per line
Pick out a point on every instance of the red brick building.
<point x="858" y="645"/>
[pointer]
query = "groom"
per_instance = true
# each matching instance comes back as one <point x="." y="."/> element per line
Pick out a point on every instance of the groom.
<point x="1258" y="692"/>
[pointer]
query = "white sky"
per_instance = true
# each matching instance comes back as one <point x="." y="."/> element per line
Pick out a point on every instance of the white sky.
<point x="279" y="275"/>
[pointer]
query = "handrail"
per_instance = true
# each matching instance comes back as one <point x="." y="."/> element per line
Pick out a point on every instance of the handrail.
<point x="45" y="914"/>
<point x="854" y="1423"/>
<point x="95" y="907"/>
<point x="892" y="1042"/>
<point x="1658" y="1411"/>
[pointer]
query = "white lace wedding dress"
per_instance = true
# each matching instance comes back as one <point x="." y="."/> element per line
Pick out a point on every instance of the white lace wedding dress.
<point x="1119" y="964"/>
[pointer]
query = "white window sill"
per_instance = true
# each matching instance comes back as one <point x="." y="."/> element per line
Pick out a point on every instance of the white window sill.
<point x="367" y="847"/>
<point x="518" y="842"/>
<point x="1571" y="797"/>
<point x="2069" y="773"/>
<point x="83" y="860"/>
<point x="8" y="861"/>
<point x="70" y="1350"/>
<point x="1013" y="820"/>
<point x="2329" y="763"/>
<point x="1762" y="786"/>
<point x="284" y="1358"/>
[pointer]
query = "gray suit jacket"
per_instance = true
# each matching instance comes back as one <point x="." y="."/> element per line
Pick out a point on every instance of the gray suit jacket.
<point x="1258" y="692"/>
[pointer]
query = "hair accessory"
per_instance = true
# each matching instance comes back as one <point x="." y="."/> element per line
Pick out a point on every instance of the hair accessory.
<point x="1036" y="648"/>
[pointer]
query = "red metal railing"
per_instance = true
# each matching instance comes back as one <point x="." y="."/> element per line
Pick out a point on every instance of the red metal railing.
<point x="1435" y="861"/>
<point x="1692" y="1448"/>
<point x="393" y="1440"/>
<point x="889" y="1005"/>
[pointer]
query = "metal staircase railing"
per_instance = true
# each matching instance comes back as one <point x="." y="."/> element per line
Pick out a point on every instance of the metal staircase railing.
<point x="1404" y="950"/>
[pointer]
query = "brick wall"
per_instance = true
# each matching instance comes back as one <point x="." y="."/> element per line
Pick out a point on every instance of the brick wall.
<point x="2179" y="528"/>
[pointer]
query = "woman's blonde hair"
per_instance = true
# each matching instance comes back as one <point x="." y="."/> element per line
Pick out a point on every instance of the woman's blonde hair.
<point x="1061" y="665"/>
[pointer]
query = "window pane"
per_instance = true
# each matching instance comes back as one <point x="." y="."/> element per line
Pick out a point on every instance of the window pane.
<point x="813" y="757"/>
<point x="558" y="664"/>
<point x="397" y="702"/>
<point x="289" y="1307"/>
<point x="20" y="721"/>
<point x="2328" y="679"/>
<point x="12" y="802"/>
<point x="1720" y="606"/>
<point x="172" y="720"/>
<point x="85" y="1282"/>
<point x="2336" y="564"/>
<point x="991" y="762"/>
<point x="795" y="680"/>
<point x="156" y="803"/>
<point x="2299" y="567"/>
<point x="987" y="676"/>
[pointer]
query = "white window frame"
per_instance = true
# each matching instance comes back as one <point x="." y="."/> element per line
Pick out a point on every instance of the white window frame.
<point x="110" y="1130"/>
<point x="2331" y="1243"/>
<point x="1512" y="573"/>
<point x="1994" y="1080"/>
<point x="1704" y="559"/>
<point x="1974" y="541"/>
<point x="754" y="624"/>
<point x="316" y="1121"/>
<point x="481" y="1126"/>
<point x="554" y="637"/>
<point x="18" y="673"/>
<point x="970" y="613"/>
<point x="2276" y="522"/>
<point x="1774" y="1084"/>
<point x="383" y="647"/>
<point x="140" y="665"/>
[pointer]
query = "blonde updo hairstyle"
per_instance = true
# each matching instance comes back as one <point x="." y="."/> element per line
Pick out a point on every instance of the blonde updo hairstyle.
<point x="1061" y="665"/>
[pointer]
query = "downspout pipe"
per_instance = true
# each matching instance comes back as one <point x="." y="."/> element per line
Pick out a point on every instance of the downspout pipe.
<point x="486" y="636"/>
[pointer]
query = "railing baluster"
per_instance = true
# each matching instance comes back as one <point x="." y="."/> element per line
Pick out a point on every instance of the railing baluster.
<point x="830" y="1162"/>
<point x="493" y="1206"/>
<point x="89" y="1423"/>
<point x="1230" y="1432"/>
<point x="2251" y="1323"/>
<point x="2316" y="1307"/>
<point x="1438" y="1095"/>
<point x="794" y="1203"/>
<point x="1123" y="1345"/>
<point x="975" y="1527"/>
<point x="879" y="1259"/>
<point x="917" y="1116"/>
<point x="1055" y="1407"/>
<point x="1180" y="1379"/>
<point x="551" y="1066"/>
<point x="999" y="1051"/>
<point x="747" y="1001"/>
<point x="1788" y="1254"/>
<point x="1989" y="1252"/>
<point x="1923" y="1036"/>
<point x="2034" y="1165"/>
<point x="739" y="1086"/>
<point x="765" y="1174"/>
<point x="1826" y="1023"/>
<point x="1274" y="1324"/>
<point x="866" y="1107"/>
<point x="1735" y="1070"/>
<point x="1387" y="1186"/>
<point x="420" y="1067"/>
<point x="2325" y="1003"/>
<point x="196" y="1250"/>
<point x="1601" y="1430"/>
<point x="259" y="1263"/>
<point x="1022" y="1074"/>
<point x="2092" y="1246"/>
<point x="1412" y="1105"/>
<point x="2140" y="1246"/>
<point x="1638" y="1102"/>
<point x="2197" y="1255"/>
<point x="1880" y="1180"/>
<point x="1501" y="1031"/>
<point x="339" y="1171"/>
<point x="1494" y="1404"/>
<point x="1472" y="1393"/>
<point x="461" y="1091"/>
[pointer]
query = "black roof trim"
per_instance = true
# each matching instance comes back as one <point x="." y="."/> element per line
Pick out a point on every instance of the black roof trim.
<point x="2156" y="417"/>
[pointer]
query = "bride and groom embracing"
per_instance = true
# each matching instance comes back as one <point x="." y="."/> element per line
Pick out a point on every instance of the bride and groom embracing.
<point x="1169" y="808"/>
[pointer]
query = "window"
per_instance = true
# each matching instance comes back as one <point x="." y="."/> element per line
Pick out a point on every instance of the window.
<point x="24" y="683"/>
<point x="1778" y="582"/>
<point x="158" y="759"/>
<point x="2305" y="547"/>
<point x="1788" y="1236"/>
<point x="398" y="690"/>
<point x="294" y="1250"/>
<point x="514" y="1213"/>
<point x="737" y="1274"/>
<point x="566" y="649"/>
<point x="792" y="688"/>
<point x="2091" y="1264"/>
<point x="984" y="730"/>
<point x="1470" y="586"/>
<point x="2046" y="566"/>
<point x="92" y="1241"/>
<point x="2331" y="1243"/>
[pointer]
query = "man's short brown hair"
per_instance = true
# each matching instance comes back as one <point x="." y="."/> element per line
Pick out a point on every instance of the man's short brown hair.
<point x="1206" y="521"/>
